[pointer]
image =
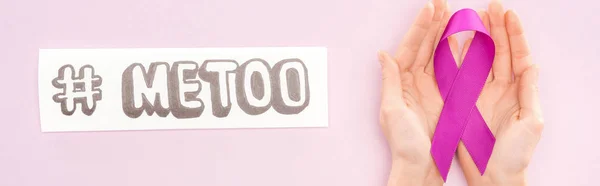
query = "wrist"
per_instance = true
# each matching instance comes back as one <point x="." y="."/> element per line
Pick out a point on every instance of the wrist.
<point x="406" y="173"/>
<point x="496" y="178"/>
<point x="512" y="179"/>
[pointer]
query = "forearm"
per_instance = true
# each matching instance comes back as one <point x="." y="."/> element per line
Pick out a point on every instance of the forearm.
<point x="510" y="180"/>
<point x="407" y="174"/>
<point x="516" y="180"/>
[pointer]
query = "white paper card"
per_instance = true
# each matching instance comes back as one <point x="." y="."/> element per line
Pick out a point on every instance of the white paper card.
<point x="182" y="88"/>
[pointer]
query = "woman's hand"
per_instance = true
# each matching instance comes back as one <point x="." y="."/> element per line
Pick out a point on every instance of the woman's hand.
<point x="410" y="101"/>
<point x="509" y="104"/>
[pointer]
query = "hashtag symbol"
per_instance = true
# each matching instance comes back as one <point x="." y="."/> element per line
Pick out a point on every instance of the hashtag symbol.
<point x="82" y="89"/>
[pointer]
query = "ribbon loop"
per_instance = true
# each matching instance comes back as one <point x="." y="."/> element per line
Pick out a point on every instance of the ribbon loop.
<point x="460" y="88"/>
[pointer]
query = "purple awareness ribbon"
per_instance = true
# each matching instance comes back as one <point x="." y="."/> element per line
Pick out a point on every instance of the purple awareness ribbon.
<point x="460" y="88"/>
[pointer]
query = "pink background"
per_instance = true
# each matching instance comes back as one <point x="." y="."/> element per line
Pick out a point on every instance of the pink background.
<point x="351" y="152"/>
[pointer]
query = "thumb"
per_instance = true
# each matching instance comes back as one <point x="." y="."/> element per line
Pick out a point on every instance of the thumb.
<point x="391" y="87"/>
<point x="529" y="100"/>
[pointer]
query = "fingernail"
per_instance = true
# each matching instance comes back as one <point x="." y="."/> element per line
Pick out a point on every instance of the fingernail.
<point x="512" y="14"/>
<point x="509" y="15"/>
<point x="429" y="5"/>
<point x="380" y="55"/>
<point x="496" y="6"/>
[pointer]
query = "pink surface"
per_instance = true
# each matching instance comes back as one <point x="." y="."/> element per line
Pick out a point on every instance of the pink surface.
<point x="351" y="152"/>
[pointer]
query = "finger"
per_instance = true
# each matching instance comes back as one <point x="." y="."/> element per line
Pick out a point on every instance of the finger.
<point x="391" y="88"/>
<point x="445" y="18"/>
<point x="464" y="51"/>
<point x="485" y="18"/>
<point x="519" y="49"/>
<point x="501" y="67"/>
<point x="426" y="49"/>
<point x="407" y="52"/>
<point x="529" y="100"/>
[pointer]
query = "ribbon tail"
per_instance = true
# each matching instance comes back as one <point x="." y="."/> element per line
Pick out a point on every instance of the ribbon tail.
<point x="445" y="140"/>
<point x="479" y="140"/>
<point x="442" y="163"/>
